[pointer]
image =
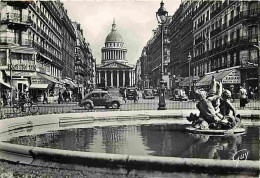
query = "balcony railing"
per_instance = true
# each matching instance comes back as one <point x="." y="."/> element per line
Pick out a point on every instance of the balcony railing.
<point x="12" y="40"/>
<point x="198" y="40"/>
<point x="12" y="17"/>
<point x="24" y="65"/>
<point x="215" y="12"/>
<point x="215" y="32"/>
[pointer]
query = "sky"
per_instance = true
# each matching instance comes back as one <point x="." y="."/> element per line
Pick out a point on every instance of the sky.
<point x="135" y="20"/>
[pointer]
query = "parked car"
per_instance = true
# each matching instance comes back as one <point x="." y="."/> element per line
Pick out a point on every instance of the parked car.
<point x="100" y="98"/>
<point x="148" y="94"/>
<point x="130" y="93"/>
<point x="179" y="95"/>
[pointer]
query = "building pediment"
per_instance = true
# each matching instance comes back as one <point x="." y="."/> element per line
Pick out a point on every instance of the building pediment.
<point x="115" y="65"/>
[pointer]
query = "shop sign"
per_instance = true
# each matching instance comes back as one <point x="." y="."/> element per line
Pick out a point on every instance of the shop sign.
<point x="20" y="73"/>
<point x="233" y="78"/>
<point x="39" y="80"/>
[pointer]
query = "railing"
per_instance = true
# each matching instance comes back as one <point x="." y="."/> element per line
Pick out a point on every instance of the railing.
<point x="198" y="40"/>
<point x="12" y="40"/>
<point x="215" y="32"/>
<point x="142" y="104"/>
<point x="215" y="12"/>
<point x="24" y="65"/>
<point x="15" y="18"/>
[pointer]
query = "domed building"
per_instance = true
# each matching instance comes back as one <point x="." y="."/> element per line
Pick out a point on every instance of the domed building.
<point x="114" y="70"/>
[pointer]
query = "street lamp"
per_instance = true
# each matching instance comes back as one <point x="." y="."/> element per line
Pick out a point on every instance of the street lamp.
<point x="189" y="60"/>
<point x="258" y="55"/>
<point x="78" y="62"/>
<point x="161" y="16"/>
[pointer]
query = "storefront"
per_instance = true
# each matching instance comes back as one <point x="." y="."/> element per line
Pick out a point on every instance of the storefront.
<point x="230" y="78"/>
<point x="42" y="82"/>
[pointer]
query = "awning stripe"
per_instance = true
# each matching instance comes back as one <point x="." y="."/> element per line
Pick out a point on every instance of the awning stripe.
<point x="206" y="80"/>
<point x="39" y="86"/>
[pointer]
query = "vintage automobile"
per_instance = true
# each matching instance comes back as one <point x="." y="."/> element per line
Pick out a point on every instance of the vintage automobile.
<point x="148" y="94"/>
<point x="130" y="93"/>
<point x="179" y="95"/>
<point x="100" y="98"/>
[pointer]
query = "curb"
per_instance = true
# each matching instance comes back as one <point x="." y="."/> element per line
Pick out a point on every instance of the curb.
<point x="130" y="162"/>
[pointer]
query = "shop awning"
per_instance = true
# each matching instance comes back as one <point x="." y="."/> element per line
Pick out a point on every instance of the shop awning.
<point x="23" y="50"/>
<point x="39" y="86"/>
<point x="69" y="82"/>
<point x="50" y="78"/>
<point x="188" y="81"/>
<point x="231" y="76"/>
<point x="5" y="84"/>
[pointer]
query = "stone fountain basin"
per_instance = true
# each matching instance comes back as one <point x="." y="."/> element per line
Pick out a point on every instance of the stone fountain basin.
<point x="77" y="160"/>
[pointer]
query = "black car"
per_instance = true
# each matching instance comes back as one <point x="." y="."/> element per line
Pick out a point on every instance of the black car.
<point x="130" y="93"/>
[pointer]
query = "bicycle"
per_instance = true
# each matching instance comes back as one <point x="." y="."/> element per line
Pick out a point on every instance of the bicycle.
<point x="25" y="106"/>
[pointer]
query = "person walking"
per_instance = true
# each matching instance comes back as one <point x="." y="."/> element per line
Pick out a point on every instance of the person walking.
<point x="45" y="99"/>
<point x="60" y="98"/>
<point x="4" y="98"/>
<point x="124" y="95"/>
<point x="243" y="97"/>
<point x="135" y="95"/>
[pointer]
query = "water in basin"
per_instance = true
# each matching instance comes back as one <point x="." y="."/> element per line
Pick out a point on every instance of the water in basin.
<point x="156" y="140"/>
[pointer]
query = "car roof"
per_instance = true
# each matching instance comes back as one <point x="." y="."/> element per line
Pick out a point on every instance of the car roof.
<point x="99" y="91"/>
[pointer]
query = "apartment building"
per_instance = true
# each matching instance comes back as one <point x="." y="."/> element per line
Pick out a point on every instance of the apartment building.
<point x="181" y="44"/>
<point x="17" y="57"/>
<point x="37" y="48"/>
<point x="84" y="61"/>
<point x="222" y="38"/>
<point x="68" y="48"/>
<point x="154" y="55"/>
<point x="225" y="33"/>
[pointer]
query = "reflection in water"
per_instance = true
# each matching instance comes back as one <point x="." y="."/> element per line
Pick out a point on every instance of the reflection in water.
<point x="157" y="140"/>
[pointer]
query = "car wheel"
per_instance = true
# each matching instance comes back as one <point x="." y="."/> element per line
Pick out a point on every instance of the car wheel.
<point x="115" y="105"/>
<point x="87" y="106"/>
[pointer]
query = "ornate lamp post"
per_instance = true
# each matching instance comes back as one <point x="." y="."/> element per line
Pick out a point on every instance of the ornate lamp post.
<point x="161" y="16"/>
<point x="78" y="62"/>
<point x="258" y="70"/>
<point x="189" y="60"/>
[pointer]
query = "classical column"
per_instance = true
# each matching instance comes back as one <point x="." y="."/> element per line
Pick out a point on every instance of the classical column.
<point x="117" y="78"/>
<point x="99" y="76"/>
<point x="123" y="77"/>
<point x="111" y="77"/>
<point x="130" y="78"/>
<point x="105" y="78"/>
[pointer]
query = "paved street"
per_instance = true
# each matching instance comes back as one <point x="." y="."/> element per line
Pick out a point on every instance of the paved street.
<point x="142" y="104"/>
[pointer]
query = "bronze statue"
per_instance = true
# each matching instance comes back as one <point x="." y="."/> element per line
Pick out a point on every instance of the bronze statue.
<point x="216" y="110"/>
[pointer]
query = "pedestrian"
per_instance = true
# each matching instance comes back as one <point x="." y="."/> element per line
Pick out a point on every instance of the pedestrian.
<point x="124" y="95"/>
<point x="22" y="99"/>
<point x="243" y="97"/>
<point x="9" y="97"/>
<point x="135" y="95"/>
<point x="60" y="98"/>
<point x="45" y="99"/>
<point x="4" y="98"/>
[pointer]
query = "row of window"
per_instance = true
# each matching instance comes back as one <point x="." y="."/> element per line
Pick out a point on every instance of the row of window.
<point x="48" y="15"/>
<point x="40" y="24"/>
